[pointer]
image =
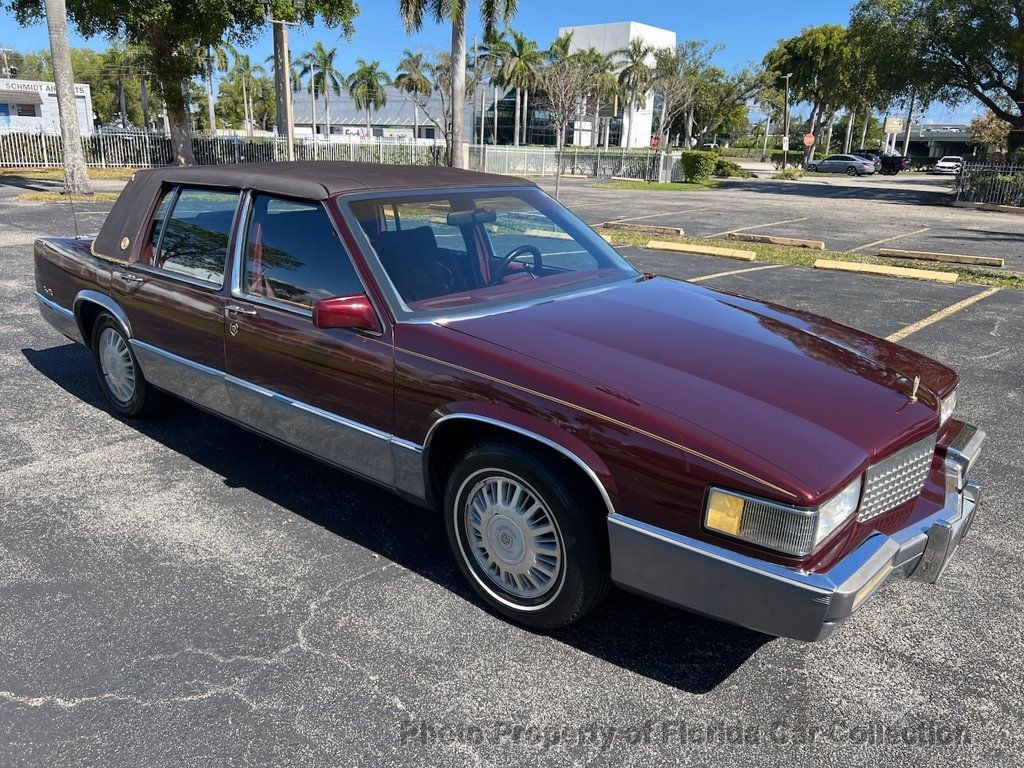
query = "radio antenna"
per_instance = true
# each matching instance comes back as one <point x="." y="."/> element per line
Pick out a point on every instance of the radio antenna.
<point x="71" y="202"/>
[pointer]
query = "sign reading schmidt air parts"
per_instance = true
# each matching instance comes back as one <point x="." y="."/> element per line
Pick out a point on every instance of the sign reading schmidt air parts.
<point x="31" y="106"/>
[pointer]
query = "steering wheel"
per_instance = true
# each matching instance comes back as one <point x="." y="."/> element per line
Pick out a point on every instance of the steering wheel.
<point x="515" y="253"/>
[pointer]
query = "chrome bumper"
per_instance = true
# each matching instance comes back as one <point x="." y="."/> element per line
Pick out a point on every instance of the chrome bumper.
<point x="782" y="601"/>
<point x="62" y="319"/>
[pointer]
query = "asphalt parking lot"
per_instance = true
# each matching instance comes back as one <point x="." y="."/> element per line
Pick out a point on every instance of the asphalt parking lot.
<point x="179" y="592"/>
<point x="911" y="212"/>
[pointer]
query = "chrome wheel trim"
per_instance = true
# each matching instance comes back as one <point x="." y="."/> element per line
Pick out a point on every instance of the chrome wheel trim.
<point x="117" y="365"/>
<point x="509" y="539"/>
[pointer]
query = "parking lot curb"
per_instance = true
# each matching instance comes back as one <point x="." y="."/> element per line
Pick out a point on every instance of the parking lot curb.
<point x="793" y="242"/>
<point x="650" y="229"/>
<point x="705" y="250"/>
<point x="880" y="269"/>
<point x="951" y="258"/>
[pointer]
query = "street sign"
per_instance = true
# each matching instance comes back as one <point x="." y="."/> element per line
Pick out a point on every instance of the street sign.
<point x="809" y="140"/>
<point x="893" y="124"/>
<point x="785" y="143"/>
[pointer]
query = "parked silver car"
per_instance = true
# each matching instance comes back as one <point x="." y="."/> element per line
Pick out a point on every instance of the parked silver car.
<point x="851" y="165"/>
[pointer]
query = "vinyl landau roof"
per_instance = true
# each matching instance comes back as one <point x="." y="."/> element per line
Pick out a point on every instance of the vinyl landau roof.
<point x="317" y="180"/>
<point x="309" y="180"/>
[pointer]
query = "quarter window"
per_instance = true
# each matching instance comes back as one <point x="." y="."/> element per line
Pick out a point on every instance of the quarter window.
<point x="194" y="241"/>
<point x="292" y="254"/>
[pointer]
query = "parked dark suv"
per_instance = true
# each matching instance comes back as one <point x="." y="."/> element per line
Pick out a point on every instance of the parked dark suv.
<point x="888" y="165"/>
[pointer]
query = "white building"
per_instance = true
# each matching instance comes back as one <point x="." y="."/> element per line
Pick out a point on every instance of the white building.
<point x="30" y="106"/>
<point x="608" y="38"/>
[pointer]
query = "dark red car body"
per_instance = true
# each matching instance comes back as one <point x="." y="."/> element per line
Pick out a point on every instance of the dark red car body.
<point x="658" y="389"/>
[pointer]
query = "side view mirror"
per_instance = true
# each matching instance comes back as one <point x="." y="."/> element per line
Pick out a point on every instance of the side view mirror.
<point x="355" y="312"/>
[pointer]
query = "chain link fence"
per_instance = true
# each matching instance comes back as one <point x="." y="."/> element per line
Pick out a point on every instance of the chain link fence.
<point x="991" y="184"/>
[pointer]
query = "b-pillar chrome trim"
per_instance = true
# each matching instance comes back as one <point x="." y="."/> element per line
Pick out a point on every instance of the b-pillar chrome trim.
<point x="343" y="443"/>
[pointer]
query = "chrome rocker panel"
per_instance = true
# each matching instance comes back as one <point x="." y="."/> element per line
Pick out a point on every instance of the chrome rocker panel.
<point x="785" y="602"/>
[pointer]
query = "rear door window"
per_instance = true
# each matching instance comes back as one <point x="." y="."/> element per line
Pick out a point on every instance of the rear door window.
<point x="292" y="254"/>
<point x="194" y="240"/>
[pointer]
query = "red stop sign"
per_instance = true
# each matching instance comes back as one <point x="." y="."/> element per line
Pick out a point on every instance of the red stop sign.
<point x="809" y="140"/>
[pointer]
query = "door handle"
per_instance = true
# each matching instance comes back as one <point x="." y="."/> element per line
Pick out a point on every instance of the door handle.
<point x="128" y="277"/>
<point x="231" y="310"/>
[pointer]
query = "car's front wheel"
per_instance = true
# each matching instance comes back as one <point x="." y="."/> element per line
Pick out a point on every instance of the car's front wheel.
<point x="812" y="168"/>
<point x="121" y="379"/>
<point x="851" y="171"/>
<point x="526" y="536"/>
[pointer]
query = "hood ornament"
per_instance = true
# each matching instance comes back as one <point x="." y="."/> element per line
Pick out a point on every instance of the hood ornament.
<point x="913" y="390"/>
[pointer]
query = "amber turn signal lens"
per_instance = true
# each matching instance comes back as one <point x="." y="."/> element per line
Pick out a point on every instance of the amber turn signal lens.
<point x="725" y="513"/>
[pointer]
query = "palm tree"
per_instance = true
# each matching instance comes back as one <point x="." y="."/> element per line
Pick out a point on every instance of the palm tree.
<point x="413" y="81"/>
<point x="604" y="86"/>
<point x="491" y="12"/>
<point x="519" y="61"/>
<point x="244" y="72"/>
<point x="634" y="77"/>
<point x="494" y="50"/>
<point x="76" y="178"/>
<point x="318" y="64"/>
<point x="216" y="58"/>
<point x="366" y="87"/>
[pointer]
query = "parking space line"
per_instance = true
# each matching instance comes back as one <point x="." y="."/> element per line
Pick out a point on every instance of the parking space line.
<point x="733" y="272"/>
<point x="757" y="226"/>
<point x="942" y="314"/>
<point x="666" y="213"/>
<point x="888" y="239"/>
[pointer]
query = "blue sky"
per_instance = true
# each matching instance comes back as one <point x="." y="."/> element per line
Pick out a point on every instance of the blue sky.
<point x="748" y="30"/>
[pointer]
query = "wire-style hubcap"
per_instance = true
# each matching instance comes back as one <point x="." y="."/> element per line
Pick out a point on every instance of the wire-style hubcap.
<point x="512" y="537"/>
<point x="116" y="364"/>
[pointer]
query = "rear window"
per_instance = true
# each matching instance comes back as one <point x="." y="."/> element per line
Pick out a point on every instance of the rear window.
<point x="192" y="239"/>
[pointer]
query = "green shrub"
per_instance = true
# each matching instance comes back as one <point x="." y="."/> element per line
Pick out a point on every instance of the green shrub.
<point x="726" y="168"/>
<point x="698" y="166"/>
<point x="791" y="174"/>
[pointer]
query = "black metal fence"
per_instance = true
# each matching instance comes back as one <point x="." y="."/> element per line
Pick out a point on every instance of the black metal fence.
<point x="992" y="184"/>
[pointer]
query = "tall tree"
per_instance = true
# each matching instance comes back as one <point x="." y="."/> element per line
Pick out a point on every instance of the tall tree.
<point x="492" y="12"/>
<point x="76" y="178"/>
<point x="634" y="79"/>
<point x="324" y="78"/>
<point x="175" y="31"/>
<point x="366" y="86"/>
<point x="602" y="87"/>
<point x="678" y="77"/>
<point x="956" y="50"/>
<point x="412" y="79"/>
<point x="820" y="60"/>
<point x="244" y="73"/>
<point x="564" y="82"/>
<point x="217" y="59"/>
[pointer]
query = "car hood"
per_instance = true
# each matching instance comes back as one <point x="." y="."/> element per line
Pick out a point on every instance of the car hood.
<point x="816" y="399"/>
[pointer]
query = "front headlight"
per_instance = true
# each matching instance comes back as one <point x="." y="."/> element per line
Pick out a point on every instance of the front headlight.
<point x="789" y="529"/>
<point x="946" y="407"/>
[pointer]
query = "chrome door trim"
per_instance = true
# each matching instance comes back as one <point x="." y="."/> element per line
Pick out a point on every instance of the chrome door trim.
<point x="349" y="445"/>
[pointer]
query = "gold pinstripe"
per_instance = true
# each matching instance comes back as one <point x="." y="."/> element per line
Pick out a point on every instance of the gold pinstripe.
<point x="603" y="417"/>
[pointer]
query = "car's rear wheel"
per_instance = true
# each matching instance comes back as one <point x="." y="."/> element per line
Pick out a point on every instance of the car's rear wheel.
<point x="527" y="537"/>
<point x="851" y="171"/>
<point x="121" y="379"/>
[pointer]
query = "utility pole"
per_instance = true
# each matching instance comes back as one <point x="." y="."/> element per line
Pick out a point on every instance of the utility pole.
<point x="283" y="76"/>
<point x="785" y="129"/>
<point x="7" y="66"/>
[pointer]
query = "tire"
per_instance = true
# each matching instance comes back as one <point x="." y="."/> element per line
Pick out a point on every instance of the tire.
<point x="812" y="168"/>
<point x="118" y="370"/>
<point x="543" y="579"/>
<point x="851" y="171"/>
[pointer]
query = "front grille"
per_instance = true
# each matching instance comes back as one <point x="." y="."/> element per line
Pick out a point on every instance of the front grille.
<point x="897" y="479"/>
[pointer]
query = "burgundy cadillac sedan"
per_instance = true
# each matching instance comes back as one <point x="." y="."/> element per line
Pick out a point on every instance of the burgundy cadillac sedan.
<point x="465" y="341"/>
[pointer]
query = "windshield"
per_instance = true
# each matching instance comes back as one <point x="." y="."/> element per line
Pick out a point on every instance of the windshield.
<point x="447" y="252"/>
<point x="951" y="159"/>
